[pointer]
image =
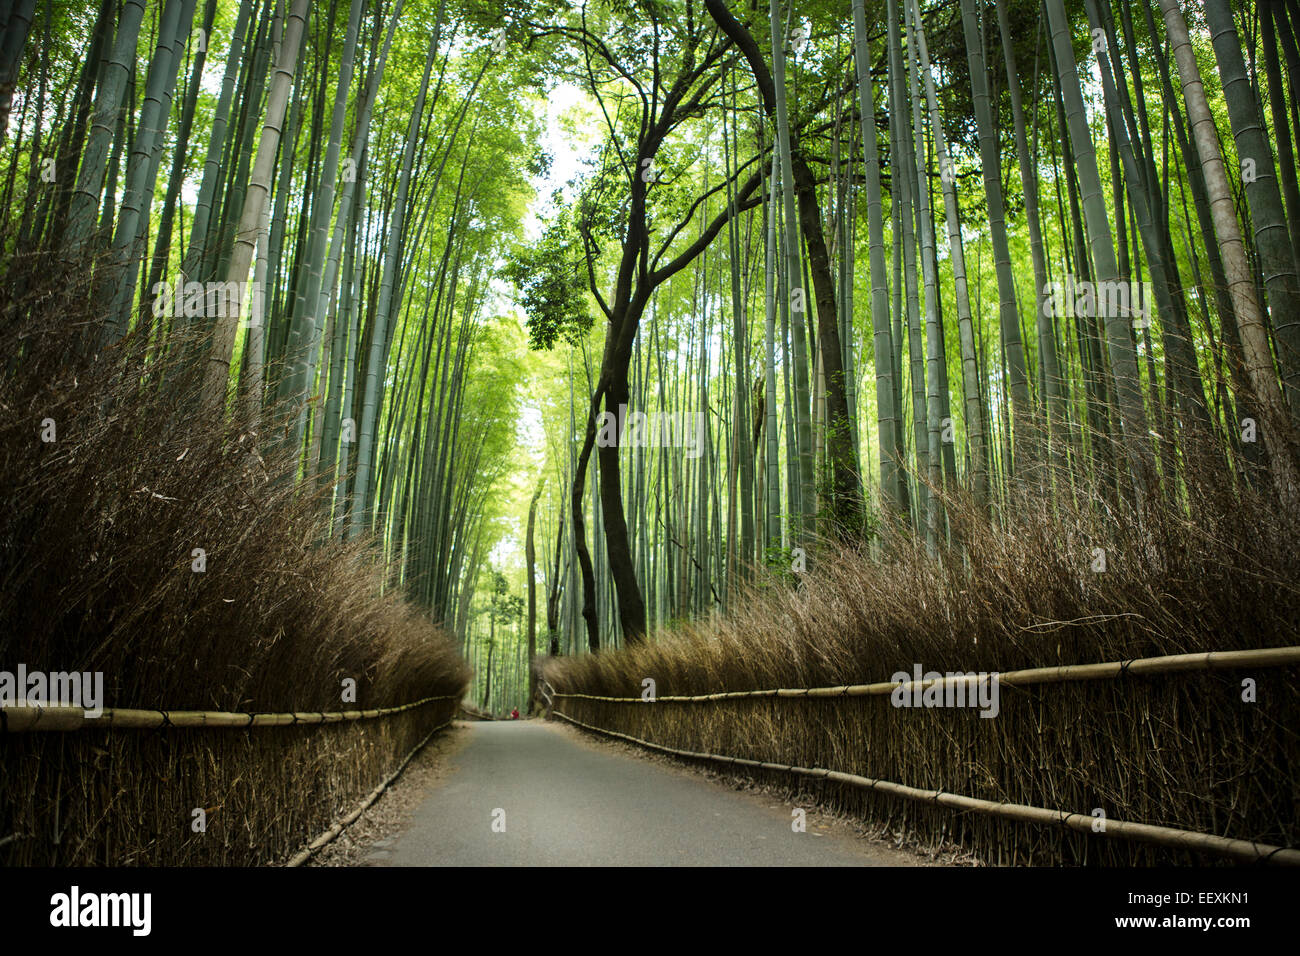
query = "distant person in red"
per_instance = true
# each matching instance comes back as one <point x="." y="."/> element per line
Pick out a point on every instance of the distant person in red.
<point x="514" y="714"/>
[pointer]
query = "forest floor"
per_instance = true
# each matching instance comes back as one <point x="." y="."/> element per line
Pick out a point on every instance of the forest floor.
<point x="533" y="793"/>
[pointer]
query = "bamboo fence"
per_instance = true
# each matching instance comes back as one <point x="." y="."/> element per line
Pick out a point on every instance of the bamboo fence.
<point x="26" y="718"/>
<point x="1108" y="670"/>
<point x="1243" y="850"/>
<point x="264" y="793"/>
<point x="1025" y="812"/>
<point x="306" y="853"/>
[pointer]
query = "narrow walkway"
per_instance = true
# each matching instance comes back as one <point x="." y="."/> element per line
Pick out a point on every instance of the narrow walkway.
<point x="566" y="801"/>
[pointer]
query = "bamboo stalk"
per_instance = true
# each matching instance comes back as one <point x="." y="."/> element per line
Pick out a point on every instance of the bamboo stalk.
<point x="1169" y="664"/>
<point x="37" y="717"/>
<point x="1244" y="850"/>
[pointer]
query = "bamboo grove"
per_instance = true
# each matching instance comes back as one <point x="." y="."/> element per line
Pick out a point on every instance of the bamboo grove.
<point x="825" y="271"/>
<point x="1059" y="261"/>
<point x="308" y="200"/>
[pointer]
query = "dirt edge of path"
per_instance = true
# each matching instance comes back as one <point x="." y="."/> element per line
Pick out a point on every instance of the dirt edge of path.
<point x="365" y="842"/>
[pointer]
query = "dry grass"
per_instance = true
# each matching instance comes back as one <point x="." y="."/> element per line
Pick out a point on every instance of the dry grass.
<point x="96" y="549"/>
<point x="1178" y="750"/>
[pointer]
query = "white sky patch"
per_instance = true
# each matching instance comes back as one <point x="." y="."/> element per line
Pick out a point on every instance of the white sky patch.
<point x="507" y="554"/>
<point x="569" y="133"/>
<point x="568" y="136"/>
<point x="529" y="431"/>
<point x="565" y="107"/>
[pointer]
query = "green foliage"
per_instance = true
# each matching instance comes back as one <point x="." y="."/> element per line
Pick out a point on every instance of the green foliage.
<point x="552" y="281"/>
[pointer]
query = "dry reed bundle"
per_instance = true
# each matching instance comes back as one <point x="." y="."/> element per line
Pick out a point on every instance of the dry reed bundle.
<point x="98" y="573"/>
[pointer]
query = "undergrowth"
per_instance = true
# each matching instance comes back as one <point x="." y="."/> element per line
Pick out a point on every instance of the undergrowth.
<point x="179" y="556"/>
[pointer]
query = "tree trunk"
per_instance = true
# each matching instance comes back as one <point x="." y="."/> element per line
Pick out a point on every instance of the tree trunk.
<point x="886" y="412"/>
<point x="217" y="373"/>
<point x="1026" y="439"/>
<point x="117" y="70"/>
<point x="1250" y="321"/>
<point x="362" y="506"/>
<point x="1277" y="258"/>
<point x="1119" y="331"/>
<point x="530" y="559"/>
<point x="12" y="42"/>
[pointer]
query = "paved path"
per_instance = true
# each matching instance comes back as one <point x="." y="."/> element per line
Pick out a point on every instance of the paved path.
<point x="569" y="801"/>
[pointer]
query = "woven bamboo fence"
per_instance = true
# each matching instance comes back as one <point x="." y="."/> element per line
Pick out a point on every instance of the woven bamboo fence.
<point x="17" y="719"/>
<point x="1188" y="757"/>
<point x="76" y="791"/>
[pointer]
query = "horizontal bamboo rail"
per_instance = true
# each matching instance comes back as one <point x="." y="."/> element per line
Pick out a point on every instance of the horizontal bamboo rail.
<point x="1244" y="850"/>
<point x="20" y="719"/>
<point x="306" y="853"/>
<point x="1173" y="663"/>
